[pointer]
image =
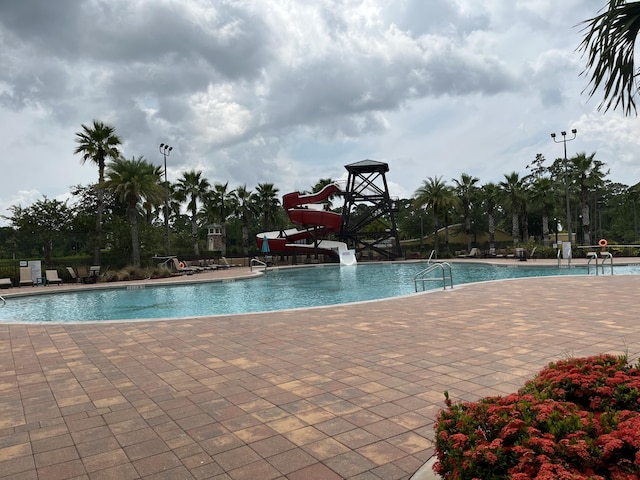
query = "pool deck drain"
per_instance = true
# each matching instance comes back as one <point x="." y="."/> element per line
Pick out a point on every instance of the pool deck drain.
<point x="342" y="392"/>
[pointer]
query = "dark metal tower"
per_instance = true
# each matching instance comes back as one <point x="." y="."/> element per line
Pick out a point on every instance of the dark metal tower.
<point x="368" y="220"/>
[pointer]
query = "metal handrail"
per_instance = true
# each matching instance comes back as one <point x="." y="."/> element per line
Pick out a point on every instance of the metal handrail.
<point x="4" y="302"/>
<point x="443" y="266"/>
<point x="431" y="256"/>
<point x="255" y="261"/>
<point x="592" y="256"/>
<point x="606" y="255"/>
<point x="568" y="258"/>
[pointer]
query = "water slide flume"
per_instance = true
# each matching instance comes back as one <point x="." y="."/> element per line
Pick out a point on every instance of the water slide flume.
<point x="308" y="211"/>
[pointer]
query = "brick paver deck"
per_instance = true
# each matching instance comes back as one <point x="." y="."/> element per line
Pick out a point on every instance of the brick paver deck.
<point x="347" y="392"/>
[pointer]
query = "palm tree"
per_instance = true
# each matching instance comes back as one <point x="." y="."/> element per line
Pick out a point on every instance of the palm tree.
<point x="268" y="203"/>
<point x="543" y="194"/>
<point x="450" y="204"/>
<point x="433" y="194"/>
<point x="245" y="207"/>
<point x="589" y="176"/>
<point x="192" y="187"/>
<point x="98" y="143"/>
<point x="175" y="201"/>
<point x="609" y="44"/>
<point x="490" y="195"/>
<point x="466" y="188"/>
<point x="133" y="181"/>
<point x="152" y="209"/>
<point x="222" y="204"/>
<point x="512" y="189"/>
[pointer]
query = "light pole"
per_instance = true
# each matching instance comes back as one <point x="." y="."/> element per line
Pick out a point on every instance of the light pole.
<point x="566" y="177"/>
<point x="165" y="150"/>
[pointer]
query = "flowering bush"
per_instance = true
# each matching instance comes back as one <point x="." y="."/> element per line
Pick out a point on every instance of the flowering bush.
<point x="577" y="419"/>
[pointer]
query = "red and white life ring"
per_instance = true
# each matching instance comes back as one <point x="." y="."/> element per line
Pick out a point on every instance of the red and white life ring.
<point x="181" y="264"/>
<point x="603" y="243"/>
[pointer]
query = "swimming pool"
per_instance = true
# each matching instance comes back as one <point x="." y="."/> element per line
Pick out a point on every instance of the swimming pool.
<point x="282" y="289"/>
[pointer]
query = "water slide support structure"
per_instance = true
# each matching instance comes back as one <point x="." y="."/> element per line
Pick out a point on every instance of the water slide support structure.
<point x="367" y="222"/>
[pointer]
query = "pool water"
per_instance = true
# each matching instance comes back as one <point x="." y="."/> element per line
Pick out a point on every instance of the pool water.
<point x="276" y="290"/>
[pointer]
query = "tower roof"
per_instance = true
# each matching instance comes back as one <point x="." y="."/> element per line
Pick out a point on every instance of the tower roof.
<point x="366" y="166"/>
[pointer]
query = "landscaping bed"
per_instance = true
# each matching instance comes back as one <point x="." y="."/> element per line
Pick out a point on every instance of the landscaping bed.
<point x="579" y="418"/>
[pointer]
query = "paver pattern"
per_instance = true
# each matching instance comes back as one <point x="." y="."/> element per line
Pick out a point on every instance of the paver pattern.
<point x="346" y="392"/>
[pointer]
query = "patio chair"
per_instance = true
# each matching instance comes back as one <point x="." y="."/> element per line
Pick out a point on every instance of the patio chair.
<point x="473" y="253"/>
<point x="208" y="265"/>
<point x="52" y="277"/>
<point x="83" y="275"/>
<point x="224" y="263"/>
<point x="196" y="267"/>
<point x="25" y="276"/>
<point x="180" y="267"/>
<point x="5" y="283"/>
<point x="94" y="273"/>
<point x="73" y="275"/>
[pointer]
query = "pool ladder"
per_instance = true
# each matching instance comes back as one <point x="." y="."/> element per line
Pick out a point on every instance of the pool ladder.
<point x="594" y="256"/>
<point x="4" y="302"/>
<point x="442" y="267"/>
<point x="255" y="262"/>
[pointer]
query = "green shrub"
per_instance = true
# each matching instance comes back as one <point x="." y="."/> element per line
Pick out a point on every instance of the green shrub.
<point x="577" y="419"/>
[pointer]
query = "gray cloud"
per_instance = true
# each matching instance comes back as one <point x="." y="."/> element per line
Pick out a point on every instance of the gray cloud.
<point x="260" y="91"/>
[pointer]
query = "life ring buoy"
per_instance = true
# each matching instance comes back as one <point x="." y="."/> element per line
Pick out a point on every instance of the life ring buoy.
<point x="603" y="243"/>
<point x="181" y="264"/>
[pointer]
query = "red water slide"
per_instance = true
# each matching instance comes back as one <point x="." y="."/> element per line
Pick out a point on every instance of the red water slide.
<point x="295" y="199"/>
<point x="300" y="211"/>
<point x="296" y="205"/>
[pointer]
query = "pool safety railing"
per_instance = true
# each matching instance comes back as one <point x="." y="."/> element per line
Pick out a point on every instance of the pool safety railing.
<point x="559" y="257"/>
<point x="439" y="267"/>
<point x="257" y="263"/>
<point x="593" y="256"/>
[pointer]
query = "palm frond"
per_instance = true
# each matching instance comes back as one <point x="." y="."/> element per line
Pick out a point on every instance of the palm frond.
<point x="608" y="44"/>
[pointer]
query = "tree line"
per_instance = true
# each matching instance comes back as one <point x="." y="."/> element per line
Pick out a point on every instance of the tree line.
<point x="531" y="206"/>
<point x="130" y="209"/>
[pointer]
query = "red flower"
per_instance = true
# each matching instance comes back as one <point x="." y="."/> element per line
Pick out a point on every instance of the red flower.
<point x="577" y="419"/>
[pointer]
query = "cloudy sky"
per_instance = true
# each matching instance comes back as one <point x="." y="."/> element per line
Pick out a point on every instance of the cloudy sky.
<point x="290" y="91"/>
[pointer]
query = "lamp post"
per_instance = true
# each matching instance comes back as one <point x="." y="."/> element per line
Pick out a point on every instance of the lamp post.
<point x="566" y="178"/>
<point x="165" y="150"/>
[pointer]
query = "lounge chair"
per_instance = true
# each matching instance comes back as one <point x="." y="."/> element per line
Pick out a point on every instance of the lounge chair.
<point x="180" y="267"/>
<point x="196" y="267"/>
<point x="25" y="276"/>
<point x="473" y="253"/>
<point x="5" y="283"/>
<point x="224" y="263"/>
<point x="52" y="277"/>
<point x="208" y="265"/>
<point x="73" y="275"/>
<point x="83" y="275"/>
